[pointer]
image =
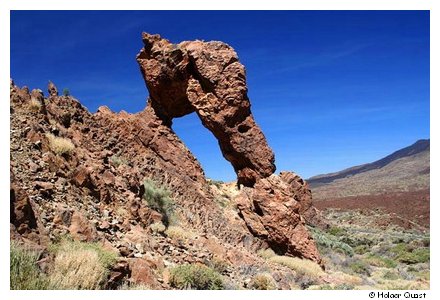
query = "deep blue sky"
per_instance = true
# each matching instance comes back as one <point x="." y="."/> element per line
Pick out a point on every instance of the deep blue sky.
<point x="330" y="89"/>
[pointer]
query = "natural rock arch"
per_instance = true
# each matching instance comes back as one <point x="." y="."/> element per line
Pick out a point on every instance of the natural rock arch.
<point x="207" y="78"/>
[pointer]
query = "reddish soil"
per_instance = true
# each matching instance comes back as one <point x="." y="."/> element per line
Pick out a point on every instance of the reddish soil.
<point x="404" y="207"/>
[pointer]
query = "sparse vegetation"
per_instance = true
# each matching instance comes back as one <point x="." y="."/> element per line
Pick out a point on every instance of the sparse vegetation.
<point x="220" y="265"/>
<point x="383" y="258"/>
<point x="406" y="254"/>
<point x="159" y="199"/>
<point x="60" y="145"/>
<point x="266" y="253"/>
<point x="301" y="266"/>
<point x="157" y="227"/>
<point x="360" y="267"/>
<point x="263" y="281"/>
<point x="195" y="276"/>
<point x="79" y="265"/>
<point x="34" y="105"/>
<point x="178" y="233"/>
<point x="380" y="261"/>
<point x="118" y="160"/>
<point x="331" y="241"/>
<point x="24" y="272"/>
<point x="217" y="183"/>
<point x="66" y="92"/>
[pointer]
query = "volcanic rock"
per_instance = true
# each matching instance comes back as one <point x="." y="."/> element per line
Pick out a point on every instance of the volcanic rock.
<point x="22" y="214"/>
<point x="142" y="273"/>
<point x="81" y="229"/>
<point x="271" y="211"/>
<point x="101" y="183"/>
<point x="52" y="89"/>
<point x="207" y="78"/>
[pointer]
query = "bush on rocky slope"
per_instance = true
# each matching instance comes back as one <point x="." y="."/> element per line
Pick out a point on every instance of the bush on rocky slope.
<point x="195" y="276"/>
<point x="59" y="145"/>
<point x="24" y="271"/>
<point x="80" y="265"/>
<point x="159" y="199"/>
<point x="263" y="282"/>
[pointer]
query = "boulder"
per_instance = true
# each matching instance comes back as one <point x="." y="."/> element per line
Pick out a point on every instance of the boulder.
<point x="81" y="229"/>
<point x="272" y="212"/>
<point x="22" y="215"/>
<point x="142" y="273"/>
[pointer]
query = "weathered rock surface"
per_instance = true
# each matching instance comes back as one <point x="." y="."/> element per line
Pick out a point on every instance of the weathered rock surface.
<point x="207" y="78"/>
<point x="22" y="214"/>
<point x="96" y="191"/>
<point x="271" y="211"/>
<point x="52" y="89"/>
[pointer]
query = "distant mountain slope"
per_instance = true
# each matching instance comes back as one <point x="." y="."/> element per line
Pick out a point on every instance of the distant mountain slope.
<point x="404" y="170"/>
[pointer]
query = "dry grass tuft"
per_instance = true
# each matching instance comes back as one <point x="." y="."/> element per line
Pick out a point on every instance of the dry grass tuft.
<point x="178" y="233"/>
<point x="80" y="266"/>
<point x="60" y="145"/>
<point x="266" y="253"/>
<point x="263" y="281"/>
<point x="157" y="227"/>
<point x="301" y="266"/>
<point x="34" y="105"/>
<point x="195" y="277"/>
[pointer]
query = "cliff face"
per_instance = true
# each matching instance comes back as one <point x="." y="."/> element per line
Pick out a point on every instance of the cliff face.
<point x="83" y="174"/>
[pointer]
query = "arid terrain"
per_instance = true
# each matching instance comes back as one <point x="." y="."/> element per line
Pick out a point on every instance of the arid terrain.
<point x="111" y="200"/>
<point x="397" y="184"/>
<point x="388" y="203"/>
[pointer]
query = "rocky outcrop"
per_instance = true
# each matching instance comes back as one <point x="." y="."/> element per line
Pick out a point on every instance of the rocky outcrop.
<point x="52" y="89"/>
<point x="22" y="215"/>
<point x="272" y="211"/>
<point x="96" y="192"/>
<point x="207" y="78"/>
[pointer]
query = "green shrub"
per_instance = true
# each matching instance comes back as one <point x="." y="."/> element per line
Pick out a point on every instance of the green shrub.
<point x="360" y="267"/>
<point x="380" y="261"/>
<point x="159" y="199"/>
<point x="66" y="92"/>
<point x="356" y="241"/>
<point x="361" y="249"/>
<point x="406" y="254"/>
<point x="220" y="265"/>
<point x="336" y="231"/>
<point x="24" y="271"/>
<point x="390" y="275"/>
<point x="195" y="276"/>
<point x="417" y="256"/>
<point x="329" y="241"/>
<point x="117" y="160"/>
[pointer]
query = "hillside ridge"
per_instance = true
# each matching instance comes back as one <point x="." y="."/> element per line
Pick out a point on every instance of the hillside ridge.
<point x="419" y="146"/>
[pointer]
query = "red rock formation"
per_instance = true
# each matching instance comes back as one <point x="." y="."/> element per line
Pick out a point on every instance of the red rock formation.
<point x="22" y="215"/>
<point x="96" y="191"/>
<point x="272" y="211"/>
<point x="206" y="78"/>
